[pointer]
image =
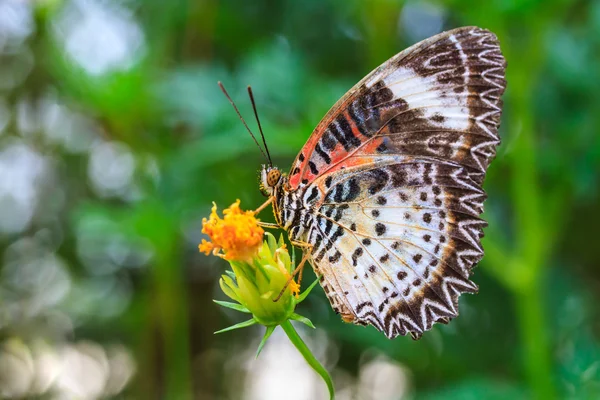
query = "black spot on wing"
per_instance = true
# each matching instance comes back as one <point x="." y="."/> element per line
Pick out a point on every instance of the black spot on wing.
<point x="357" y="253"/>
<point x="335" y="257"/>
<point x="328" y="141"/>
<point x="381" y="148"/>
<point x="341" y="130"/>
<point x="344" y="192"/>
<point x="313" y="195"/>
<point x="427" y="217"/>
<point x="328" y="227"/>
<point x="356" y="115"/>
<point x="380" y="229"/>
<point x="363" y="305"/>
<point x="323" y="154"/>
<point x="439" y="118"/>
<point x="378" y="179"/>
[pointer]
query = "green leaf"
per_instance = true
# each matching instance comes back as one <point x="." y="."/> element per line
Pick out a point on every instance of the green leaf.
<point x="233" y="306"/>
<point x="307" y="291"/>
<point x="244" y="324"/>
<point x="269" y="331"/>
<point x="304" y="320"/>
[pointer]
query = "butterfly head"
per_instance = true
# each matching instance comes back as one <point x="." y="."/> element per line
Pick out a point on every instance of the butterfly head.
<point x="271" y="179"/>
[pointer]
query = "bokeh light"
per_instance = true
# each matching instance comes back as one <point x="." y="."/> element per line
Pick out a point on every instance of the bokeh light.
<point x="115" y="140"/>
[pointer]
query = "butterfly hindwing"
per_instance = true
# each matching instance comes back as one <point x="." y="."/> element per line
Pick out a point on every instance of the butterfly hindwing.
<point x="402" y="246"/>
<point x="387" y="190"/>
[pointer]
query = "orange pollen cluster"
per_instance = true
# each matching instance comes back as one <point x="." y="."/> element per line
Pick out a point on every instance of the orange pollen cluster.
<point x="236" y="236"/>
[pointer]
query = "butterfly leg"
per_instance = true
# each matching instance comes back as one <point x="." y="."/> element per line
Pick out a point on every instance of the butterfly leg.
<point x="264" y="205"/>
<point x="299" y="268"/>
<point x="268" y="225"/>
<point x="306" y="251"/>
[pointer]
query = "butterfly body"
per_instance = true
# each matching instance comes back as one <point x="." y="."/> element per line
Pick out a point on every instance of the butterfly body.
<point x="386" y="194"/>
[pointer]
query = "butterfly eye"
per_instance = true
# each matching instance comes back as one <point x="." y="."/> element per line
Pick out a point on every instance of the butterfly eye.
<point x="273" y="177"/>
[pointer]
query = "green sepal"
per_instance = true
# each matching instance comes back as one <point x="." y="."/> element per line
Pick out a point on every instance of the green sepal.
<point x="229" y="287"/>
<point x="230" y="273"/>
<point x="268" y="332"/>
<point x="303" y="295"/>
<point x="271" y="241"/>
<point x="293" y="263"/>
<point x="281" y="241"/>
<point x="258" y="264"/>
<point x="304" y="320"/>
<point x="244" y="324"/>
<point x="233" y="306"/>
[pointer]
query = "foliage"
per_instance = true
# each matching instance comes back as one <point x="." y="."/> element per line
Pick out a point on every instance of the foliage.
<point x="112" y="110"/>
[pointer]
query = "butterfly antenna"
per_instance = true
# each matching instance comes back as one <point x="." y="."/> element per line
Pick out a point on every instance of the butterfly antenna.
<point x="259" y="126"/>
<point x="242" y="119"/>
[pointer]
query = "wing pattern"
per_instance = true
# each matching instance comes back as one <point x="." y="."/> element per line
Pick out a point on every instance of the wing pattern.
<point x="439" y="98"/>
<point x="388" y="187"/>
<point x="395" y="244"/>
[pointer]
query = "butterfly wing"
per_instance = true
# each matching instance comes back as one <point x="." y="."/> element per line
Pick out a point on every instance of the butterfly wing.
<point x="392" y="176"/>
<point x="395" y="243"/>
<point x="439" y="98"/>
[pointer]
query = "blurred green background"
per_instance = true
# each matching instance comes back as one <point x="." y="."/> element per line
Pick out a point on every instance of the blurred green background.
<point x="115" y="139"/>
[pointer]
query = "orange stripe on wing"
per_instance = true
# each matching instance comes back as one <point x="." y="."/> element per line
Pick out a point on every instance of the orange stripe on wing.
<point x="355" y="131"/>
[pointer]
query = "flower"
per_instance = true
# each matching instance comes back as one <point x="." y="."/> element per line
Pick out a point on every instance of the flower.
<point x="260" y="282"/>
<point x="256" y="284"/>
<point x="236" y="236"/>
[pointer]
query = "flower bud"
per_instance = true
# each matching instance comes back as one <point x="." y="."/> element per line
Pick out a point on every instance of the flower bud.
<point x="259" y="281"/>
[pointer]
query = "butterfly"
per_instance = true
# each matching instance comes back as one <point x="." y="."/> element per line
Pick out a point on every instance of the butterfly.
<point x="385" y="197"/>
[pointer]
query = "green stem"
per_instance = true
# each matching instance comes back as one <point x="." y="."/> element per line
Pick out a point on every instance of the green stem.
<point x="535" y="341"/>
<point x="172" y="315"/>
<point x="524" y="269"/>
<point x="308" y="356"/>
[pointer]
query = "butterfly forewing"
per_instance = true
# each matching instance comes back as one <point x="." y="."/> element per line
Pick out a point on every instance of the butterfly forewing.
<point x="387" y="189"/>
<point x="440" y="98"/>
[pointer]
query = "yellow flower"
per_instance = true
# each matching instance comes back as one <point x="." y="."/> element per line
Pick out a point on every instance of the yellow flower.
<point x="261" y="279"/>
<point x="257" y="283"/>
<point x="260" y="282"/>
<point x="261" y="270"/>
<point x="235" y="237"/>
